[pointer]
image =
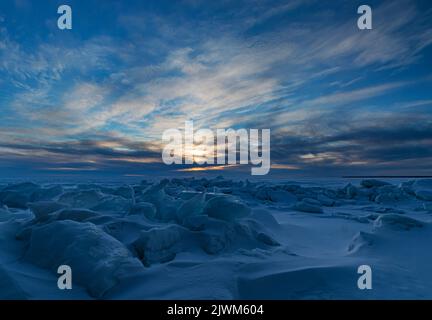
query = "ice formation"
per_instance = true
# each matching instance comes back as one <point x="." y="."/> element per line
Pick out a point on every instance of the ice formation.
<point x="244" y="239"/>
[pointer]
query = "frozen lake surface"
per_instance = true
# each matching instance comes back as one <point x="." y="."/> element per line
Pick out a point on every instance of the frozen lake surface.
<point x="217" y="239"/>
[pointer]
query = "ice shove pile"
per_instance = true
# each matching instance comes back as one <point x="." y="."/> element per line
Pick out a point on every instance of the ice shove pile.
<point x="111" y="233"/>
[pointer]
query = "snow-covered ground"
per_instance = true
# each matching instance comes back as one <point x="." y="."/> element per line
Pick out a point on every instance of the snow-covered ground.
<point x="217" y="239"/>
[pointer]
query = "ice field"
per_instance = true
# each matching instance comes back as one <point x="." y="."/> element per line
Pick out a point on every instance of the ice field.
<point x="217" y="239"/>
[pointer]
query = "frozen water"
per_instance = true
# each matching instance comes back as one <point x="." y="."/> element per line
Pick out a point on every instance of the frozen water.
<point x="98" y="260"/>
<point x="236" y="239"/>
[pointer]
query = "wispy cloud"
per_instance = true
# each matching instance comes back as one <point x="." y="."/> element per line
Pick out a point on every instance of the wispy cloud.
<point x="108" y="96"/>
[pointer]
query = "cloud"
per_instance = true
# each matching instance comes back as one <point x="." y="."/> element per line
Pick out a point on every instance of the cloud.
<point x="396" y="140"/>
<point x="252" y="66"/>
<point x="347" y="97"/>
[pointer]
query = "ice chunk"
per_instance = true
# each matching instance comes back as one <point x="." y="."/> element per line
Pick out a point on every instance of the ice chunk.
<point x="424" y="195"/>
<point x="389" y="195"/>
<point x="146" y="209"/>
<point x="187" y="195"/>
<point x="427" y="206"/>
<point x="397" y="222"/>
<point x="226" y="208"/>
<point x="264" y="218"/>
<point x="18" y="195"/>
<point x="351" y="191"/>
<point x="422" y="189"/>
<point x="292" y="187"/>
<point x="14" y="199"/>
<point x="166" y="206"/>
<point x="221" y="236"/>
<point x="126" y="231"/>
<point x="360" y="240"/>
<point x="218" y="237"/>
<point x="43" y="209"/>
<point x="325" y="201"/>
<point x="262" y="194"/>
<point x="220" y="182"/>
<point x="274" y="194"/>
<point x="266" y="239"/>
<point x="98" y="261"/>
<point x="407" y="187"/>
<point x="45" y="194"/>
<point x="192" y="207"/>
<point x="373" y="183"/>
<point x="126" y="192"/>
<point x="113" y="204"/>
<point x="422" y="184"/>
<point x="82" y="199"/>
<point x="24" y="188"/>
<point x="159" y="245"/>
<point x="76" y="214"/>
<point x="196" y="223"/>
<point x="308" y="205"/>
<point x="282" y="196"/>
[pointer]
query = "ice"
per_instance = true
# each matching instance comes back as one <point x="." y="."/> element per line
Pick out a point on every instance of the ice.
<point x="24" y="188"/>
<point x="196" y="222"/>
<point x="226" y="208"/>
<point x="82" y="199"/>
<point x="43" y="194"/>
<point x="372" y="183"/>
<point x="325" y="200"/>
<point x="422" y="184"/>
<point x="159" y="245"/>
<point x="43" y="209"/>
<point x="266" y="239"/>
<point x="166" y="205"/>
<point x="397" y="222"/>
<point x="236" y="239"/>
<point x="282" y="196"/>
<point x="424" y="195"/>
<point x="427" y="207"/>
<point x="99" y="261"/>
<point x="10" y="289"/>
<point x="14" y="199"/>
<point x="19" y="195"/>
<point x="146" y="209"/>
<point x="275" y="194"/>
<point x="115" y="205"/>
<point x="75" y="214"/>
<point x="389" y="194"/>
<point x="360" y="241"/>
<point x="421" y="188"/>
<point x="351" y="191"/>
<point x="126" y="192"/>
<point x="309" y="205"/>
<point x="192" y="207"/>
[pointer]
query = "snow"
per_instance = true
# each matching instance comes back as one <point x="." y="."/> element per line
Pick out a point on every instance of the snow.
<point x="216" y="238"/>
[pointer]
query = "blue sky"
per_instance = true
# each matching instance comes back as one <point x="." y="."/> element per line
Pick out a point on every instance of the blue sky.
<point x="95" y="100"/>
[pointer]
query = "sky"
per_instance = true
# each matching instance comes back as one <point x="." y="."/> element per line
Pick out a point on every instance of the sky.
<point x="95" y="100"/>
